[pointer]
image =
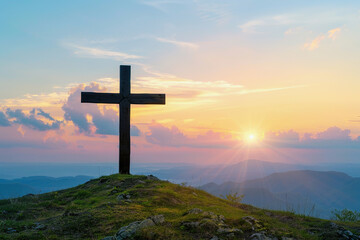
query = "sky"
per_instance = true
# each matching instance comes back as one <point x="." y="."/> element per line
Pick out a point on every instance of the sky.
<point x="269" y="80"/>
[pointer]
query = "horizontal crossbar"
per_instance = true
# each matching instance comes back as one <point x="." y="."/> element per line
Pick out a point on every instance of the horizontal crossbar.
<point x="135" y="98"/>
<point x="147" y="98"/>
<point x="93" y="97"/>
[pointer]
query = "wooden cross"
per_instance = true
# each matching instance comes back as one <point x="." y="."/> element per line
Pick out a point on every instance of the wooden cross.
<point x="125" y="98"/>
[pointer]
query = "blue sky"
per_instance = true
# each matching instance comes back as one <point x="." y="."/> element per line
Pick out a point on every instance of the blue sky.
<point x="37" y="36"/>
<point x="230" y="69"/>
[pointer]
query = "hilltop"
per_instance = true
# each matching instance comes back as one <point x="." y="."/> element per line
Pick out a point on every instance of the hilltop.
<point x="143" y="207"/>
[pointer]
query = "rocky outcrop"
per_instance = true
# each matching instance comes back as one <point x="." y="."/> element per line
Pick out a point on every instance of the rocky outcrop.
<point x="211" y="222"/>
<point x="130" y="230"/>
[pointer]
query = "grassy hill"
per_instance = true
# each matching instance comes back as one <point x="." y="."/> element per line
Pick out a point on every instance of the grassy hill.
<point x="143" y="207"/>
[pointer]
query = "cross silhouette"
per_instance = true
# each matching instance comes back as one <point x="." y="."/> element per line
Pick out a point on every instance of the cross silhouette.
<point x="125" y="98"/>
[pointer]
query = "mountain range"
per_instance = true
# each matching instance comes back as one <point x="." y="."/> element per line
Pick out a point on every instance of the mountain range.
<point x="37" y="184"/>
<point x="303" y="191"/>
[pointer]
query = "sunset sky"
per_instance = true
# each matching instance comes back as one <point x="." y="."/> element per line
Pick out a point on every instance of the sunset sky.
<point x="269" y="80"/>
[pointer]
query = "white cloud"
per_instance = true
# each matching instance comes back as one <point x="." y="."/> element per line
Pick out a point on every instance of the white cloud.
<point x="178" y="43"/>
<point x="194" y="89"/>
<point x="101" y="53"/>
<point x="160" y="4"/>
<point x="315" y="43"/>
<point x="213" y="11"/>
<point x="253" y="26"/>
<point x="334" y="33"/>
<point x="295" y="31"/>
<point x="249" y="27"/>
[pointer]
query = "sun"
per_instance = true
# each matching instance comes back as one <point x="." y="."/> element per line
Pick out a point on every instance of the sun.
<point x="251" y="138"/>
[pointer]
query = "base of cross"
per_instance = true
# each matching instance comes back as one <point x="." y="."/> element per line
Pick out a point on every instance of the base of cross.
<point x="124" y="163"/>
<point x="125" y="98"/>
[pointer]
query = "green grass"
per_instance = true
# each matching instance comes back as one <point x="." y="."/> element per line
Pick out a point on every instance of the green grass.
<point x="92" y="211"/>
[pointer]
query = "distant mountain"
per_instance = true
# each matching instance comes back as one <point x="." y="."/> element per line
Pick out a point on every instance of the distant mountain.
<point x="245" y="170"/>
<point x="37" y="184"/>
<point x="12" y="190"/>
<point x="298" y="191"/>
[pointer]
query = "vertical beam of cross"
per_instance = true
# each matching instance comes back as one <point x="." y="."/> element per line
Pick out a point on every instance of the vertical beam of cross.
<point x="124" y="130"/>
<point x="125" y="98"/>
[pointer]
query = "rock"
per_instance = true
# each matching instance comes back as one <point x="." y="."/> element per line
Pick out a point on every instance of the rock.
<point x="249" y="219"/>
<point x="214" y="238"/>
<point x="194" y="211"/>
<point x="228" y="230"/>
<point x="333" y="225"/>
<point x="10" y="230"/>
<point x="39" y="226"/>
<point x="208" y="224"/>
<point x="70" y="213"/>
<point x="29" y="195"/>
<point x="343" y="233"/>
<point x="158" y="219"/>
<point x="140" y="182"/>
<point x="103" y="180"/>
<point x="259" y="236"/>
<point x="191" y="225"/>
<point x="123" y="197"/>
<point x="151" y="177"/>
<point x="129" y="230"/>
<point x="215" y="217"/>
<point x="114" y="191"/>
<point x="132" y="228"/>
<point x="146" y="223"/>
<point x="109" y="238"/>
<point x="255" y="224"/>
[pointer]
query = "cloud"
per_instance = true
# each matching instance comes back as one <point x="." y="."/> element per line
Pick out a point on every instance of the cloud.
<point x="77" y="112"/>
<point x="314" y="44"/>
<point x="284" y="137"/>
<point x="333" y="137"/>
<point x="31" y="121"/>
<point x="173" y="137"/>
<point x="249" y="27"/>
<point x="92" y="118"/>
<point x="160" y="4"/>
<point x="4" y="122"/>
<point x="294" y="31"/>
<point x="39" y="100"/>
<point x="334" y="33"/>
<point x="40" y="112"/>
<point x="18" y="137"/>
<point x="213" y="11"/>
<point x="334" y="133"/>
<point x="252" y="26"/>
<point x="188" y="88"/>
<point x="135" y="131"/>
<point x="101" y="53"/>
<point x="178" y="43"/>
